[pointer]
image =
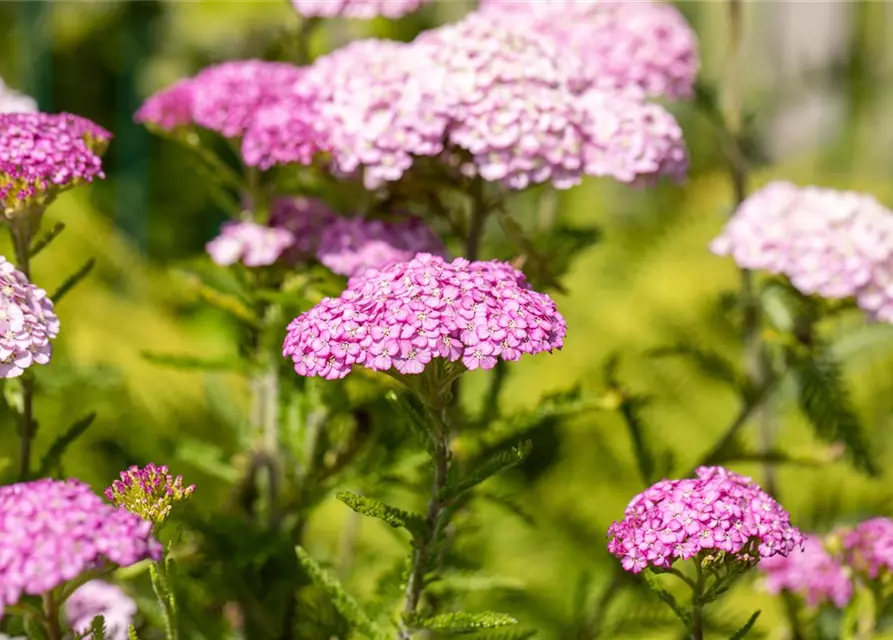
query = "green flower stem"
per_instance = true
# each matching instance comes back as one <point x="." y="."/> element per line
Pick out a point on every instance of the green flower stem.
<point x="51" y="606"/>
<point x="479" y="211"/>
<point x="164" y="594"/>
<point x="435" y="519"/>
<point x="792" y="612"/>
<point x="697" y="604"/>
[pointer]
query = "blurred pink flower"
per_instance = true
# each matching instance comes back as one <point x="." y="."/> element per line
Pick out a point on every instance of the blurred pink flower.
<point x="810" y="572"/>
<point x="252" y="244"/>
<point x="98" y="598"/>
<point x="362" y="9"/>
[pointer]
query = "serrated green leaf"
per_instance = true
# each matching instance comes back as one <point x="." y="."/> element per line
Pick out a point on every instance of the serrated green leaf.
<point x="413" y="418"/>
<point x="397" y="518"/>
<point x="460" y="623"/>
<point x="825" y="401"/>
<point x="47" y="238"/>
<point x="97" y="628"/>
<point x="707" y="361"/>
<point x="655" y="587"/>
<point x="62" y="442"/>
<point x="504" y="635"/>
<point x="192" y="362"/>
<point x="499" y="461"/>
<point x="131" y="633"/>
<point x="342" y="601"/>
<point x="743" y="631"/>
<point x="73" y="280"/>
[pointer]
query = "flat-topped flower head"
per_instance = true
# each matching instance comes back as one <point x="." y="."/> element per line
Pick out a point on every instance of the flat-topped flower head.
<point x="514" y="103"/>
<point x="622" y="45"/>
<point x="305" y="218"/>
<point x="834" y="244"/>
<point x="408" y="314"/>
<point x="352" y="246"/>
<point x="168" y="109"/>
<point x="718" y="514"/>
<point x="27" y="322"/>
<point x="52" y="531"/>
<point x="252" y="244"/>
<point x="359" y="9"/>
<point x="12" y="101"/>
<point x="99" y="598"/>
<point x="868" y="547"/>
<point x="811" y="573"/>
<point x="42" y="154"/>
<point x="150" y="492"/>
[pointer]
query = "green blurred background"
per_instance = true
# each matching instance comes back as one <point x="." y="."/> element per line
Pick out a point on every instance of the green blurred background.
<point x="819" y="92"/>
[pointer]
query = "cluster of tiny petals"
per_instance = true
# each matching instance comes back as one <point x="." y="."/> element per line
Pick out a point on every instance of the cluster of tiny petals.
<point x="868" y="547"/>
<point x="27" y="322"/>
<point x="359" y="9"/>
<point x="252" y="244"/>
<point x="811" y="572"/>
<point x="616" y="44"/>
<point x="351" y="246"/>
<point x="834" y="244"/>
<point x="718" y="511"/>
<point x="53" y="531"/>
<point x="168" y="109"/>
<point x="42" y="152"/>
<point x="99" y="598"/>
<point x="514" y="102"/>
<point x="150" y="492"/>
<point x="407" y="314"/>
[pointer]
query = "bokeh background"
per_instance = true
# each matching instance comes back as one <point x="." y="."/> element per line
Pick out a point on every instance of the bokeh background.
<point x="819" y="94"/>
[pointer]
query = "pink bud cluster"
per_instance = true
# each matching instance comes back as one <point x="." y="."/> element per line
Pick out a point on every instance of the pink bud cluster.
<point x="268" y="105"/>
<point x="351" y="246"/>
<point x="27" y="322"/>
<point x="408" y="314"/>
<point x="43" y="153"/>
<point x="359" y="9"/>
<point x="150" y="491"/>
<point x="811" y="572"/>
<point x="53" y="531"/>
<point x="616" y="44"/>
<point x="717" y="512"/>
<point x="98" y="598"/>
<point x="834" y="244"/>
<point x="869" y="547"/>
<point x="252" y="244"/>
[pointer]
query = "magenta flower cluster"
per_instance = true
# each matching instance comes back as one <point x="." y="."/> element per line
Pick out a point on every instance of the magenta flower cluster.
<point x="408" y="314"/>
<point x="150" y="491"/>
<point x="268" y="105"/>
<point x="622" y="45"/>
<point x="27" y="322"/>
<point x="53" y="531"/>
<point x="834" y="244"/>
<point x="42" y="153"/>
<point x="868" y="547"/>
<point x="99" y="598"/>
<point x="359" y="9"/>
<point x="811" y="572"/>
<point x="252" y="244"/>
<point x="351" y="246"/>
<point x="718" y="511"/>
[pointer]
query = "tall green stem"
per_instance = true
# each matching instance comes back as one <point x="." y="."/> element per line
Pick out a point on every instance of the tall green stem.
<point x="434" y="519"/>
<point x="22" y="230"/>
<point x="697" y="604"/>
<point x="51" y="616"/>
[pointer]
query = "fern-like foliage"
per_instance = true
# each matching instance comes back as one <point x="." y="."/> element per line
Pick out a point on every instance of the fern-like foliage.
<point x="346" y="605"/>
<point x="97" y="628"/>
<point x="497" y="462"/>
<point x="395" y="517"/>
<point x="461" y="623"/>
<point x="655" y="587"/>
<point x="60" y="445"/>
<point x="132" y="634"/>
<point x="743" y="631"/>
<point x="825" y="401"/>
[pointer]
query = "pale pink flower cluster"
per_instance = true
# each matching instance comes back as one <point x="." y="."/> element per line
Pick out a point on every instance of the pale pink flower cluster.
<point x="834" y="244"/>
<point x="359" y="9"/>
<point x="869" y="547"/>
<point x="719" y="511"/>
<point x="811" y="572"/>
<point x="28" y="322"/>
<point x="252" y="244"/>
<point x="616" y="44"/>
<point x="406" y="315"/>
<point x="98" y="598"/>
<point x="352" y="246"/>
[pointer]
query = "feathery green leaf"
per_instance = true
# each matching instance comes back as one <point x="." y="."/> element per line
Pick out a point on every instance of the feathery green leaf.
<point x="666" y="596"/>
<point x="47" y="238"/>
<point x="97" y="628"/>
<point x="72" y="281"/>
<point x="460" y="623"/>
<point x="499" y="461"/>
<point x="743" y="631"/>
<point x="397" y="518"/>
<point x="131" y="633"/>
<point x="62" y="442"/>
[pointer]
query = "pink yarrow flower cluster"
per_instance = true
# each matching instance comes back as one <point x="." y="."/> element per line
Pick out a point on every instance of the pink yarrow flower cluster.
<point x="98" y="598"/>
<point x="869" y="547"/>
<point x="305" y="219"/>
<point x="44" y="153"/>
<point x="359" y="9"/>
<point x="27" y="322"/>
<point x="150" y="492"/>
<point x="614" y="44"/>
<point x="718" y="511"/>
<point x="811" y="572"/>
<point x="252" y="244"/>
<point x="351" y="246"/>
<point x="834" y="244"/>
<point x="53" y="531"/>
<point x="411" y="313"/>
